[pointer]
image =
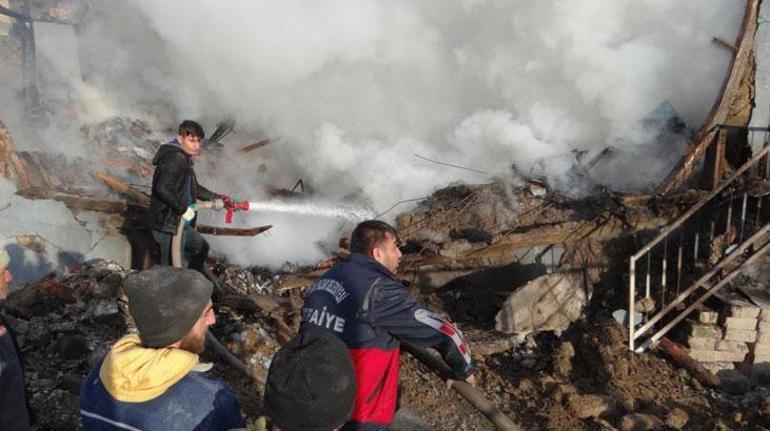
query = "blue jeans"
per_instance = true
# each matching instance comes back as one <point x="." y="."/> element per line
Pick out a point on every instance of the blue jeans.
<point x="195" y="248"/>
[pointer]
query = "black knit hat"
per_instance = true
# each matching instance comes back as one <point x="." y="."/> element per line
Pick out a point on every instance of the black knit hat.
<point x="165" y="302"/>
<point x="311" y="384"/>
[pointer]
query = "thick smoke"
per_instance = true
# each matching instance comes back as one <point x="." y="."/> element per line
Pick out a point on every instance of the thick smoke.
<point x="353" y="90"/>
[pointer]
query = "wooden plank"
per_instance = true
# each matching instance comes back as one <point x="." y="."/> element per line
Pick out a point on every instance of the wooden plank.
<point x="719" y="159"/>
<point x="294" y="281"/>
<point x="121" y="187"/>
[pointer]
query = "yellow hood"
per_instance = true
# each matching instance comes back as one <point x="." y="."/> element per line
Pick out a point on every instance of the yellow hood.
<point x="133" y="373"/>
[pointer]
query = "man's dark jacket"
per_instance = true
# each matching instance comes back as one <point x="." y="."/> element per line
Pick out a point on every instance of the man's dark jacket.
<point x="14" y="412"/>
<point x="365" y="305"/>
<point x="174" y="187"/>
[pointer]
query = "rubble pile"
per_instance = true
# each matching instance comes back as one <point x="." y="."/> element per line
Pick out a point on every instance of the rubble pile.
<point x="585" y="379"/>
<point x="64" y="325"/>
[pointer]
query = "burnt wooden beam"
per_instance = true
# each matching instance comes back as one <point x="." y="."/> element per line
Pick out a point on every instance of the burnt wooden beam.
<point x="742" y="65"/>
<point x="295" y="281"/>
<point x="76" y="202"/>
<point x="12" y="167"/>
<point x="499" y="252"/>
<point x="121" y="187"/>
<point x="718" y="168"/>
<point x="251" y="147"/>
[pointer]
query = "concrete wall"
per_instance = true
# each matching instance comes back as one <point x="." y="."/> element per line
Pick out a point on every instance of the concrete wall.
<point x="43" y="235"/>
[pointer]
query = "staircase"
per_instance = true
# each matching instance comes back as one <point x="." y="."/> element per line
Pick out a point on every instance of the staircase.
<point x="706" y="247"/>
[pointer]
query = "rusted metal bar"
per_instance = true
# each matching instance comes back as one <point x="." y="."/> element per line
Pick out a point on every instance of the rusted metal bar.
<point x="679" y="355"/>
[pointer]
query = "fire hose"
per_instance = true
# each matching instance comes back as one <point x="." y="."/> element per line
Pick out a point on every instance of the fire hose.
<point x="176" y="261"/>
<point x="466" y="390"/>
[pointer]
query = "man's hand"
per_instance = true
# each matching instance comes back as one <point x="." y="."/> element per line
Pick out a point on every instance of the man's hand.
<point x="189" y="214"/>
<point x="471" y="380"/>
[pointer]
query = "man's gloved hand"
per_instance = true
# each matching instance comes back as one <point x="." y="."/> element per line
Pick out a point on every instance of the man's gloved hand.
<point x="189" y="215"/>
<point x="229" y="198"/>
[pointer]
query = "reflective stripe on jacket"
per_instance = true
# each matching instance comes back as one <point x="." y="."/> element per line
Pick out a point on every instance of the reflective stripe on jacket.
<point x="364" y="304"/>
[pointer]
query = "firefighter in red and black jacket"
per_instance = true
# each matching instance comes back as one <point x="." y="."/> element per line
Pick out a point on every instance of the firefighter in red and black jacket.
<point x="361" y="301"/>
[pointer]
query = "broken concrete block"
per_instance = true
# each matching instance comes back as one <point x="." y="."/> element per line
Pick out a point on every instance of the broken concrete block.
<point x="743" y="311"/>
<point x="716" y="356"/>
<point x="77" y="237"/>
<point x="763" y="338"/>
<point x="677" y="418"/>
<point x="763" y="326"/>
<point x="761" y="358"/>
<point x="733" y="382"/>
<point x="705" y="331"/>
<point x="548" y="303"/>
<point x="640" y="422"/>
<point x="732" y="346"/>
<point x="747" y="335"/>
<point x="707" y="316"/>
<point x="590" y="406"/>
<point x="700" y="343"/>
<point x="740" y="323"/>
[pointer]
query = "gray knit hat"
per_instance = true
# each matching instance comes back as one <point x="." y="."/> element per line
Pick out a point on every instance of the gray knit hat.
<point x="165" y="302"/>
<point x="311" y="383"/>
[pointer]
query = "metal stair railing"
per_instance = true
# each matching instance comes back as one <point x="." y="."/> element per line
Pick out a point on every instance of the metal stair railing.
<point x="702" y="249"/>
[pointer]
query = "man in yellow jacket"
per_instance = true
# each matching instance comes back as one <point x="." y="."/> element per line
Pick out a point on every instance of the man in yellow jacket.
<point x="153" y="380"/>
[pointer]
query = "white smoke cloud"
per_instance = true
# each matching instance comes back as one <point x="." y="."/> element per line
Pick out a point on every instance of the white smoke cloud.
<point x="355" y="88"/>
